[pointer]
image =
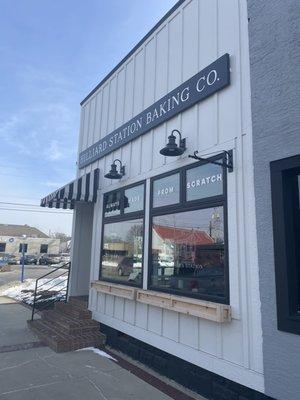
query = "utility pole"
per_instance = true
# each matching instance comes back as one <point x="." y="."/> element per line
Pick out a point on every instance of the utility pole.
<point x="23" y="259"/>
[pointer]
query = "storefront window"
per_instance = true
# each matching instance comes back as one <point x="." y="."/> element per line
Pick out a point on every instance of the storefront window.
<point x="134" y="199"/>
<point x="112" y="204"/>
<point x="122" y="236"/>
<point x="204" y="181"/>
<point x="188" y="252"/>
<point x="188" y="247"/>
<point x="166" y="191"/>
<point x="122" y="252"/>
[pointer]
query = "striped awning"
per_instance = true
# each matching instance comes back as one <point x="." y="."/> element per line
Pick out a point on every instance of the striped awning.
<point x="81" y="189"/>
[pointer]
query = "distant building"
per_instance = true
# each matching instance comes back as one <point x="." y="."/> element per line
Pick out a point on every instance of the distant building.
<point x="36" y="242"/>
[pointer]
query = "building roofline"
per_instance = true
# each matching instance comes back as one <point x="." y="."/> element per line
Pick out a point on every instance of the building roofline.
<point x="177" y="5"/>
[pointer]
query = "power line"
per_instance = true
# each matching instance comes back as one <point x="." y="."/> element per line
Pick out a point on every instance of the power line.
<point x="19" y="204"/>
<point x="22" y="204"/>
<point x="19" y="197"/>
<point x="37" y="211"/>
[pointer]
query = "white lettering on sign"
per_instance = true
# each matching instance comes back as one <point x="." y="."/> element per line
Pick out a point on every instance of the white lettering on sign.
<point x="211" y="79"/>
<point x="168" y="105"/>
<point x="112" y="206"/>
<point x="165" y="191"/>
<point x="204" y="181"/>
<point x="134" y="199"/>
<point x="208" y="80"/>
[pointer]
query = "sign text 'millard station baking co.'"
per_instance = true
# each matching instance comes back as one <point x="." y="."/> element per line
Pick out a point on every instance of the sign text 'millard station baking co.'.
<point x="206" y="82"/>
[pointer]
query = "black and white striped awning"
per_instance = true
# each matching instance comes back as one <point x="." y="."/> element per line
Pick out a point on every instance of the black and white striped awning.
<point x="81" y="189"/>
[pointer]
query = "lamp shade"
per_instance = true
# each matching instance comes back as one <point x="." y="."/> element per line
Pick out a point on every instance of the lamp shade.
<point x="114" y="173"/>
<point x="172" y="149"/>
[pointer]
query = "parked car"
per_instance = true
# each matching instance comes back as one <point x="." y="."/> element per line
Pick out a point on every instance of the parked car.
<point x="65" y="258"/>
<point x="13" y="260"/>
<point x="4" y="262"/>
<point x="128" y="264"/>
<point x="29" y="259"/>
<point x="4" y="258"/>
<point x="48" y="259"/>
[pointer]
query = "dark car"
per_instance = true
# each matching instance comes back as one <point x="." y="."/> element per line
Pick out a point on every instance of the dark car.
<point x="128" y="264"/>
<point x="13" y="260"/>
<point x="48" y="259"/>
<point x="29" y="259"/>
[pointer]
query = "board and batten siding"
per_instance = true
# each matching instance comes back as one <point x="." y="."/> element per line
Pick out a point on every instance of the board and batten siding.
<point x="196" y="34"/>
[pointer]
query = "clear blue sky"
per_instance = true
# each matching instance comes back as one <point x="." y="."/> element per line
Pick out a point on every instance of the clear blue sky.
<point x="52" y="53"/>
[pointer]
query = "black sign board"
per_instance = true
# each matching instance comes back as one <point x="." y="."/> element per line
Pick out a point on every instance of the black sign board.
<point x="202" y="85"/>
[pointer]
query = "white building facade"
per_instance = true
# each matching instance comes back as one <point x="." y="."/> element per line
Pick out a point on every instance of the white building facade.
<point x="168" y="253"/>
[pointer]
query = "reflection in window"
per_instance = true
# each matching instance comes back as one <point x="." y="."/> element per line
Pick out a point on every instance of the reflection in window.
<point x="188" y="252"/>
<point x="134" y="199"/>
<point x="166" y="190"/>
<point x="123" y="251"/>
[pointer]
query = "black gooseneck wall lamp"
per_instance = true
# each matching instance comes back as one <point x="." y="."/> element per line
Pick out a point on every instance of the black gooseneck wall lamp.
<point x="114" y="173"/>
<point x="172" y="149"/>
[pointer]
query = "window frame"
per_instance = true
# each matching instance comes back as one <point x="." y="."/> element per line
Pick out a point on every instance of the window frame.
<point x="122" y="217"/>
<point x="192" y="205"/>
<point x="282" y="212"/>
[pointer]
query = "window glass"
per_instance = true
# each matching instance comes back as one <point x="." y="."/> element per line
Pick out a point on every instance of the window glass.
<point x="188" y="252"/>
<point x="2" y="247"/>
<point x="204" y="181"/>
<point x="123" y="251"/>
<point x="296" y="219"/>
<point x="25" y="247"/>
<point x="112" y="204"/>
<point x="166" y="190"/>
<point x="44" y="248"/>
<point x="298" y="191"/>
<point x="134" y="199"/>
<point x="285" y="186"/>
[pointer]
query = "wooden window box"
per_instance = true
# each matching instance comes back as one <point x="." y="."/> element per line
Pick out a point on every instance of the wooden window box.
<point x="114" y="289"/>
<point x="154" y="298"/>
<point x="199" y="308"/>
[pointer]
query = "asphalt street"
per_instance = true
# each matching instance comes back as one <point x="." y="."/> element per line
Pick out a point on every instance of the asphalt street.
<point x="31" y="271"/>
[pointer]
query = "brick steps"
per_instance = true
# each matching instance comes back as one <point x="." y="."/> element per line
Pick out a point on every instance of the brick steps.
<point x="73" y="310"/>
<point x="68" y="327"/>
<point x="80" y="301"/>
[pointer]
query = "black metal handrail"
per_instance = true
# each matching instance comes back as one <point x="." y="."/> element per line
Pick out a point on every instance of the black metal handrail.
<point x="65" y="288"/>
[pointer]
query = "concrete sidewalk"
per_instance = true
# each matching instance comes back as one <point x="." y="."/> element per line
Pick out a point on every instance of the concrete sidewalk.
<point x="14" y="333"/>
<point x="41" y="374"/>
<point x="31" y="371"/>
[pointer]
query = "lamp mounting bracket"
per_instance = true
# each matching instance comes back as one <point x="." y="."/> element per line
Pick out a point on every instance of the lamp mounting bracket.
<point x="227" y="163"/>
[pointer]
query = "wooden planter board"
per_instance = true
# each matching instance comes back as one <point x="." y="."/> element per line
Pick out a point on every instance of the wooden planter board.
<point x="198" y="308"/>
<point x="114" y="289"/>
